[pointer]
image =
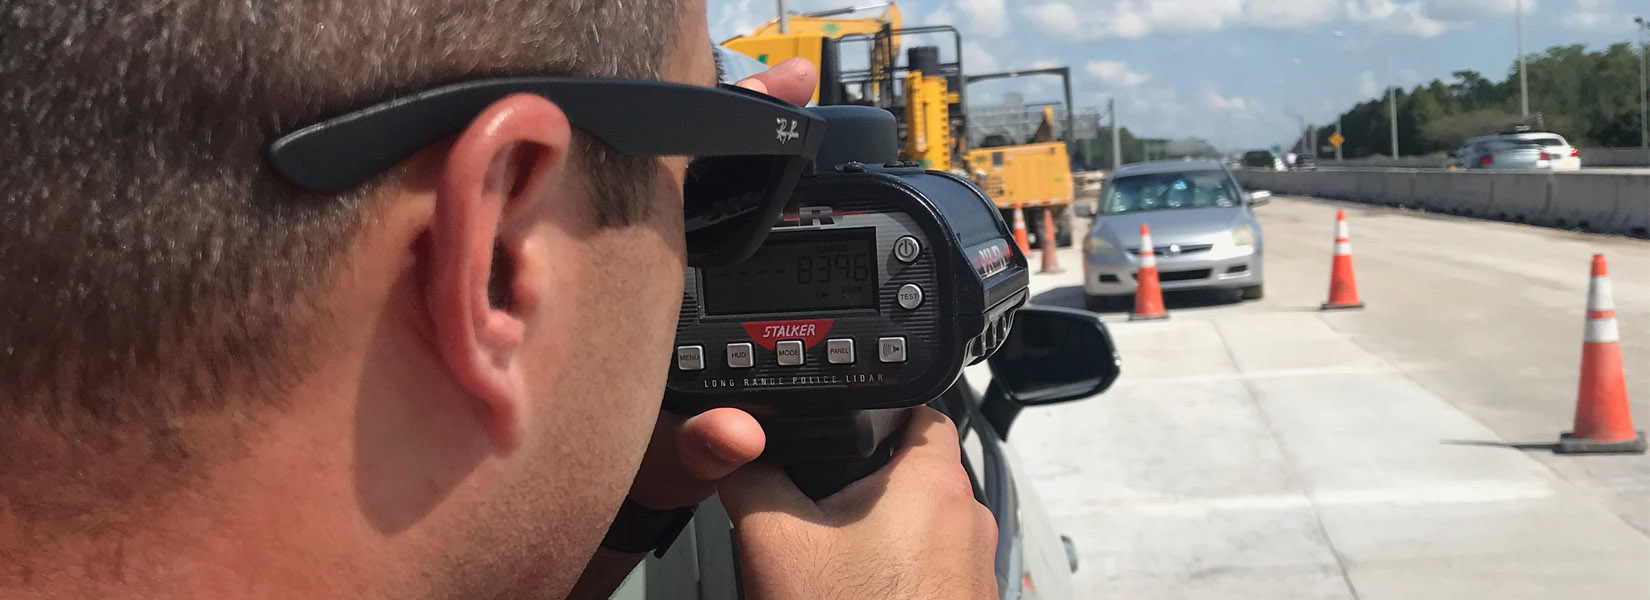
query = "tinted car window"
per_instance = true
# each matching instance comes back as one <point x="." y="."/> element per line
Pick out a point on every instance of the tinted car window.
<point x="1257" y="158"/>
<point x="1166" y="191"/>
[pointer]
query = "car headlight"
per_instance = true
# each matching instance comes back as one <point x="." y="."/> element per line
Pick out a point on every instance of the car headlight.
<point x="1243" y="236"/>
<point x="1095" y="245"/>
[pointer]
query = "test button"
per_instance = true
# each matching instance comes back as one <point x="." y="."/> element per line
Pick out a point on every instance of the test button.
<point x="909" y="296"/>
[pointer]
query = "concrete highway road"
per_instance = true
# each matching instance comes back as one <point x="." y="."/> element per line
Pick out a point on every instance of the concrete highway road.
<point x="1268" y="450"/>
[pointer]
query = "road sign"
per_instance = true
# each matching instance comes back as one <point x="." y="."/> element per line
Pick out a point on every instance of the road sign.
<point x="1336" y="139"/>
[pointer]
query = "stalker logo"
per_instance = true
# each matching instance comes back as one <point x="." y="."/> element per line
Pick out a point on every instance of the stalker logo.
<point x="765" y="333"/>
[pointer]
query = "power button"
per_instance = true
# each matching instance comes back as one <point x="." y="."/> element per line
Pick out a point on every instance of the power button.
<point x="907" y="248"/>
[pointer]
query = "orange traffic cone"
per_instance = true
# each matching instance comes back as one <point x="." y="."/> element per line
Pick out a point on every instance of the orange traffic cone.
<point x="1343" y="286"/>
<point x="1148" y="294"/>
<point x="1047" y="239"/>
<point x="1604" y="423"/>
<point x="1020" y="231"/>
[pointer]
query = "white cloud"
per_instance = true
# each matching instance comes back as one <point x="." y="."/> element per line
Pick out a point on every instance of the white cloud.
<point x="1044" y="63"/>
<point x="1404" y="18"/>
<point x="1133" y="19"/>
<point x="1473" y="10"/>
<point x="1232" y="106"/>
<point x="976" y="59"/>
<point x="986" y="18"/>
<point x="1595" y="15"/>
<point x="1115" y="75"/>
<point x="1367" y="86"/>
<point x="941" y="16"/>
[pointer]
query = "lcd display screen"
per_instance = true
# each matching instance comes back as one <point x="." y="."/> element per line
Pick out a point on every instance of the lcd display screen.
<point x="798" y="272"/>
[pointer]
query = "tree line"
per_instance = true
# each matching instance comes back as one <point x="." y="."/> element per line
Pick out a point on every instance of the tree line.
<point x="1591" y="98"/>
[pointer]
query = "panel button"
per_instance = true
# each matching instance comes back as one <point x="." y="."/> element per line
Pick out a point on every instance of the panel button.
<point x="891" y="349"/>
<point x="690" y="358"/>
<point x="840" y="352"/>
<point x="790" y="353"/>
<point x="740" y="356"/>
<point x="910" y="296"/>
<point x="907" y="248"/>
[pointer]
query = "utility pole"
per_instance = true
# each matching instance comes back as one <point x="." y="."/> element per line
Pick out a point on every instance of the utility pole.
<point x="1523" y="66"/>
<point x="1644" y="73"/>
<point x="1392" y="106"/>
<point x="784" y="19"/>
<point x="1116" y="135"/>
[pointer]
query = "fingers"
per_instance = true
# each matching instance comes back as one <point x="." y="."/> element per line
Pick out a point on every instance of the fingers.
<point x="758" y="488"/>
<point x="931" y="435"/>
<point x="718" y="442"/>
<point x="793" y="81"/>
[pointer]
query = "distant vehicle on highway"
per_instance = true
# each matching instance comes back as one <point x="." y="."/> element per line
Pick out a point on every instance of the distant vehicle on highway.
<point x="1521" y="150"/>
<point x="1265" y="160"/>
<point x="1203" y="226"/>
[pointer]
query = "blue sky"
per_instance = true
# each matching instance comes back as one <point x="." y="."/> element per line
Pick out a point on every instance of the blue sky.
<point x="1237" y="72"/>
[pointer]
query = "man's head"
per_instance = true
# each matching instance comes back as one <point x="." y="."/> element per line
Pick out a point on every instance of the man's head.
<point x="483" y="331"/>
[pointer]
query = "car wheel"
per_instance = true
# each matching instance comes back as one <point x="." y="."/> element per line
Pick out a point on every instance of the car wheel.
<point x="1254" y="292"/>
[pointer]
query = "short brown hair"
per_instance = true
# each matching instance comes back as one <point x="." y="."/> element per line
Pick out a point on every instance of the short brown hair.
<point x="150" y="262"/>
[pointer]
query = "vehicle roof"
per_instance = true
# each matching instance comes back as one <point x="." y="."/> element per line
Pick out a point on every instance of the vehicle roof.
<point x="1169" y="166"/>
<point x="1514" y="136"/>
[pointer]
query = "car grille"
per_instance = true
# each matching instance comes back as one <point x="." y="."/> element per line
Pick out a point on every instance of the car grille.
<point x="1192" y="275"/>
<point x="1183" y="250"/>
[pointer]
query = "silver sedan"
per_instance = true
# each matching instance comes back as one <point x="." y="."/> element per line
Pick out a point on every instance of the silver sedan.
<point x="1203" y="229"/>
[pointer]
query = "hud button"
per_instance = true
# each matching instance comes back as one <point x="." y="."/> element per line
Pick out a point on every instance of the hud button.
<point x="739" y="356"/>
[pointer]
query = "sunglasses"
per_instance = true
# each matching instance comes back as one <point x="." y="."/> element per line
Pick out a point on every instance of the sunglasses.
<point x="748" y="149"/>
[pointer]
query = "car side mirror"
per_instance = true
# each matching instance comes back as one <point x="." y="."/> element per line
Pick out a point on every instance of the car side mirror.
<point x="1085" y="210"/>
<point x="1260" y="198"/>
<point x="1052" y="355"/>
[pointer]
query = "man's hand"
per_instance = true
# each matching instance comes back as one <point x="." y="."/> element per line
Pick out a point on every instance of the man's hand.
<point x="911" y="530"/>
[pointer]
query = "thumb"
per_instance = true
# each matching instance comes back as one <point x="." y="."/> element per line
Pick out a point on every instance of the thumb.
<point x="761" y="488"/>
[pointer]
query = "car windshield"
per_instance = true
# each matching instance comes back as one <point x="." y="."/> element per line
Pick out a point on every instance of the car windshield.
<point x="1257" y="159"/>
<point x="1163" y="191"/>
<point x="1548" y="141"/>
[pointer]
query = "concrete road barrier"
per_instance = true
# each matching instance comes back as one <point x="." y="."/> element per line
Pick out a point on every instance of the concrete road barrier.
<point x="1470" y="194"/>
<point x="1431" y="191"/>
<point x="1521" y="197"/>
<point x="1633" y="215"/>
<point x="1584" y="202"/>
<point x="1592" y="201"/>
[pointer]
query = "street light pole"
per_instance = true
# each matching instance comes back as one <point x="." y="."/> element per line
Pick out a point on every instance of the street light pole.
<point x="1644" y="73"/>
<point x="1116" y="136"/>
<point x="1338" y="157"/>
<point x="1392" y="106"/>
<point x="1523" y="66"/>
<point x="784" y="19"/>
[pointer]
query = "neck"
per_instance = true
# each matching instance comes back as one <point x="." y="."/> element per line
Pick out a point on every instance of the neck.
<point x="113" y="519"/>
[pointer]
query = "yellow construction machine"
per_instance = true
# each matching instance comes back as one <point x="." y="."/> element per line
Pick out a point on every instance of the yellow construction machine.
<point x="928" y="96"/>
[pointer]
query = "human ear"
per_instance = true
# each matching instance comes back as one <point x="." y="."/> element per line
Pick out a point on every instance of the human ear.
<point x="480" y="282"/>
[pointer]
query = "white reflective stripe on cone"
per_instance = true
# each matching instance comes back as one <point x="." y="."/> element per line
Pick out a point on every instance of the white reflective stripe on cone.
<point x="1599" y="294"/>
<point x="1341" y="230"/>
<point x="1601" y="331"/>
<point x="1343" y="248"/>
<point x="1148" y="260"/>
